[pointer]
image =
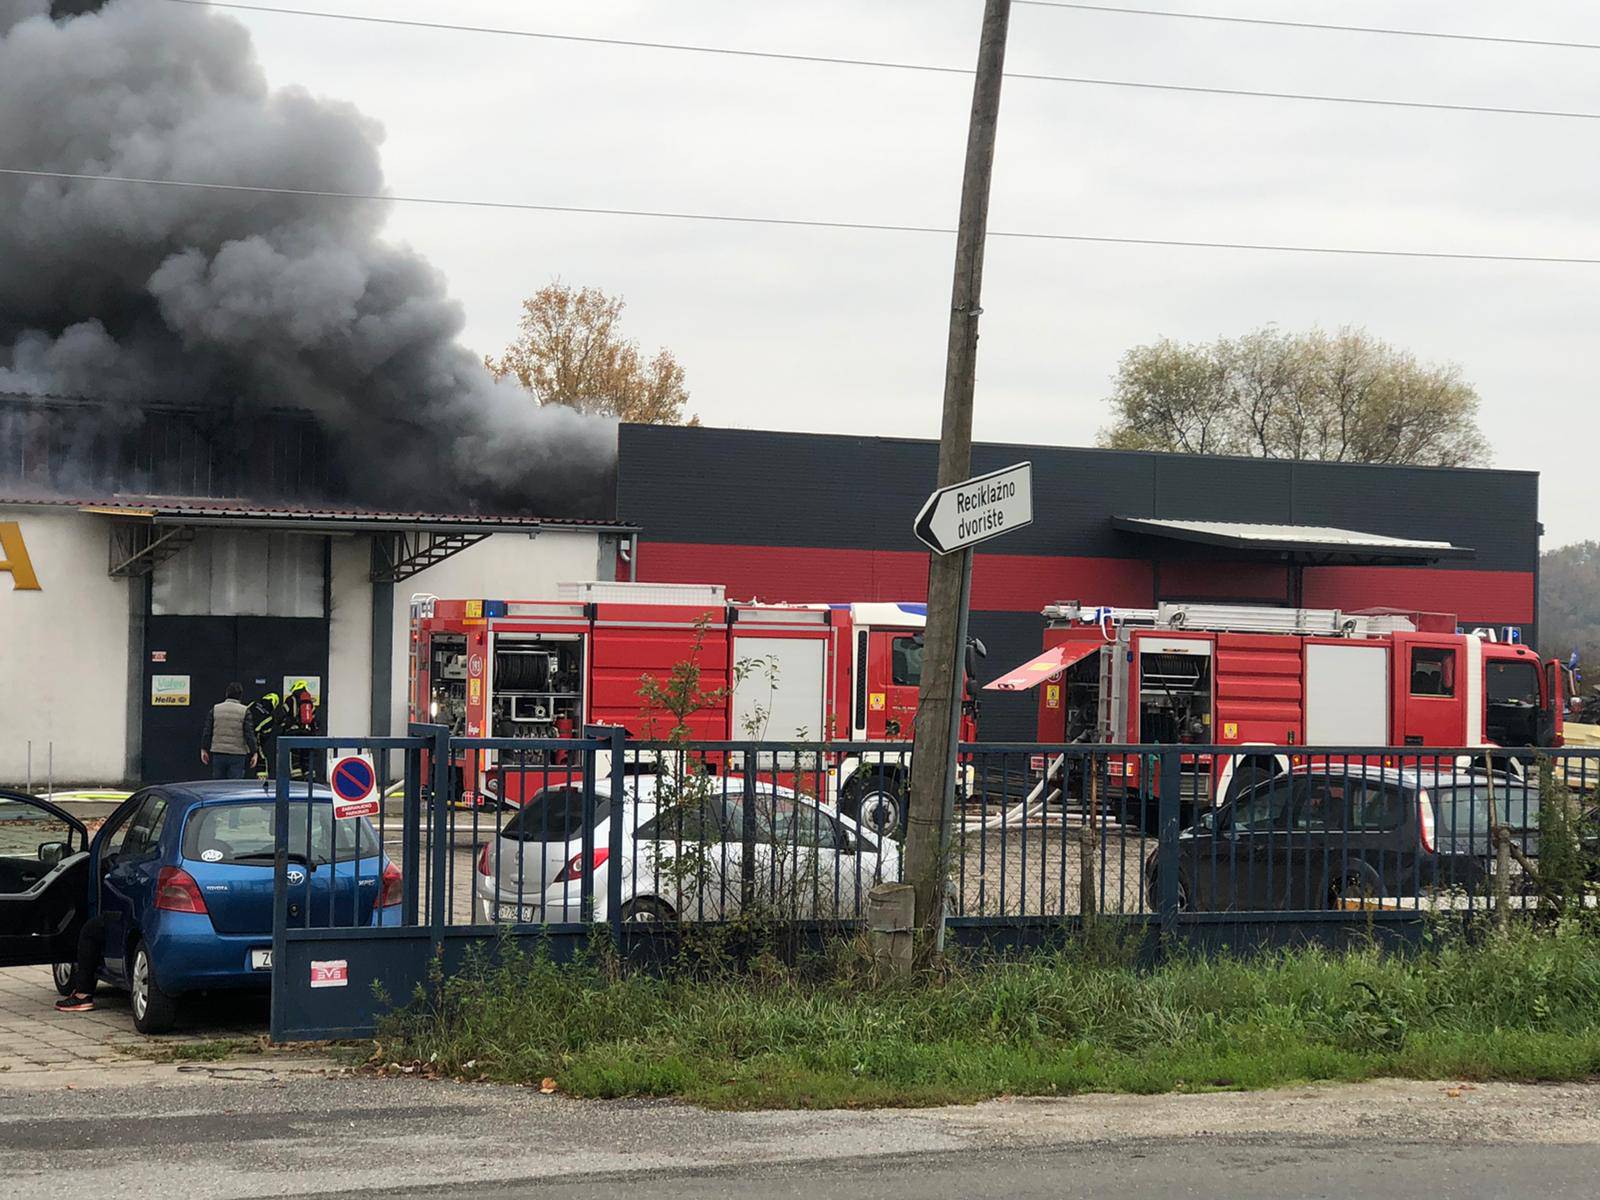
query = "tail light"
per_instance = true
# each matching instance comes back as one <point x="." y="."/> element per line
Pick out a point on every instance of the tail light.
<point x="483" y="861"/>
<point x="575" y="870"/>
<point x="176" y="891"/>
<point x="1425" y="818"/>
<point x="389" y="887"/>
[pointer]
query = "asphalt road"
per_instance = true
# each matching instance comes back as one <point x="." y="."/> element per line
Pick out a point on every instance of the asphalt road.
<point x="1280" y="1168"/>
<point x="279" y="1127"/>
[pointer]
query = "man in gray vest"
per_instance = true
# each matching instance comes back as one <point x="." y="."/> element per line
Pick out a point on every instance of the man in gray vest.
<point x="228" y="745"/>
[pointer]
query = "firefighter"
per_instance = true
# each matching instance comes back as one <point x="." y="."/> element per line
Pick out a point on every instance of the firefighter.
<point x="262" y="716"/>
<point x="299" y="716"/>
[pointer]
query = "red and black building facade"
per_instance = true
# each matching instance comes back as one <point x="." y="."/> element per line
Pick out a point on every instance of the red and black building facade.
<point x="811" y="517"/>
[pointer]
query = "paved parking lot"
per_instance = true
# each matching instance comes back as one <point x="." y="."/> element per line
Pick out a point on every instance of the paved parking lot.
<point x="37" y="1042"/>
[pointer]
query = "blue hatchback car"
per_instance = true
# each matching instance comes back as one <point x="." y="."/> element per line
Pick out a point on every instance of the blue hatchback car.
<point x="183" y="874"/>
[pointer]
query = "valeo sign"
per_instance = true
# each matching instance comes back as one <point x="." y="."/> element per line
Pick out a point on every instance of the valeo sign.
<point x="14" y="558"/>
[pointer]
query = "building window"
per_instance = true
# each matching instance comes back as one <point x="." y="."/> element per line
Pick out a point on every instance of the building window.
<point x="245" y="572"/>
<point x="1433" y="671"/>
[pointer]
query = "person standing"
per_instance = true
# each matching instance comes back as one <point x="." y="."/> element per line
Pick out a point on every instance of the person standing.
<point x="263" y="718"/>
<point x="228" y="743"/>
<point x="300" y="716"/>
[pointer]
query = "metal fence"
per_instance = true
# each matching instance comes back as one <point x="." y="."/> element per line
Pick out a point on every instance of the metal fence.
<point x="638" y="842"/>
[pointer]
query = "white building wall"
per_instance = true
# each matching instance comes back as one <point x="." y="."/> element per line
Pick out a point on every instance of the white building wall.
<point x="349" y="692"/>
<point x="504" y="566"/>
<point x="64" y="652"/>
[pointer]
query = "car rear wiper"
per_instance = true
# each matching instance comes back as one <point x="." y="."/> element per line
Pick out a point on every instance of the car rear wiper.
<point x="271" y="856"/>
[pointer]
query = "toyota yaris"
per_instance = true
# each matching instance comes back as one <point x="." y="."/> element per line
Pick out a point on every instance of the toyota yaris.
<point x="183" y="875"/>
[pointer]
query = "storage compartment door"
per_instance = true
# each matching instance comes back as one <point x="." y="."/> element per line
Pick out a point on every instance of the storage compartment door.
<point x="1347" y="695"/>
<point x="780" y="697"/>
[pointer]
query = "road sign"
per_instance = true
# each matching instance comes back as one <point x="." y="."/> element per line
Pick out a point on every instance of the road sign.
<point x="355" y="787"/>
<point x="968" y="513"/>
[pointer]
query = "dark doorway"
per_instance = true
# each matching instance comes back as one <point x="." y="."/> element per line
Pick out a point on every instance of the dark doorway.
<point x="211" y="652"/>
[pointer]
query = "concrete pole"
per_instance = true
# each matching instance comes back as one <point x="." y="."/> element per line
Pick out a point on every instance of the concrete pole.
<point x="933" y="760"/>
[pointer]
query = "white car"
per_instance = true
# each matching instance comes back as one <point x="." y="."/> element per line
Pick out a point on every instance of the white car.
<point x="683" y="855"/>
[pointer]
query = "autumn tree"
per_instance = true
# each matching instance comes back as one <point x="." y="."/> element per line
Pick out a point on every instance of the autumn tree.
<point x="569" y="350"/>
<point x="1345" y="397"/>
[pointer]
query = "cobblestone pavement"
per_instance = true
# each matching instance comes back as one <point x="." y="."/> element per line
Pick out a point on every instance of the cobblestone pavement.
<point x="37" y="1042"/>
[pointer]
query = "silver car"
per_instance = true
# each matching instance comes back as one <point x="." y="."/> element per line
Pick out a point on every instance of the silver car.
<point x="691" y="850"/>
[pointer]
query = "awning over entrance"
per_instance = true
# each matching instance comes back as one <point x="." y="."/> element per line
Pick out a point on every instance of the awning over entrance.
<point x="1312" y="541"/>
<point x="1309" y="542"/>
<point x="148" y="530"/>
<point x="1048" y="665"/>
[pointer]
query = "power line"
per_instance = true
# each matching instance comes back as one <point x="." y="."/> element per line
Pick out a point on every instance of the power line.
<point x="887" y="64"/>
<point x="802" y="222"/>
<point x="1279" y="24"/>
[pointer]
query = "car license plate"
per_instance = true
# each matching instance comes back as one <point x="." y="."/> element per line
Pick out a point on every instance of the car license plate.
<point x="261" y="960"/>
<point x="526" y="914"/>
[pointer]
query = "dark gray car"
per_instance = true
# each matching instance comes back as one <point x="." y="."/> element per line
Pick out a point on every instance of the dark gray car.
<point x="1320" y="837"/>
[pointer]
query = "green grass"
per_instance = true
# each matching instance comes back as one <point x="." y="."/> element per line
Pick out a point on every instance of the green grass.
<point x="1523" y="1008"/>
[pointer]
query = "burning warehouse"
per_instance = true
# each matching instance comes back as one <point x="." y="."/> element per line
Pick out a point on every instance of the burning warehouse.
<point x="238" y="431"/>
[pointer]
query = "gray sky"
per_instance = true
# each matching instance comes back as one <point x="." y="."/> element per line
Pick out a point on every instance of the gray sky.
<point x="844" y="331"/>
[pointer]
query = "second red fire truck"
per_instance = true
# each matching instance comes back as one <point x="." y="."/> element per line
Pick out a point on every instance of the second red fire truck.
<point x="1212" y="674"/>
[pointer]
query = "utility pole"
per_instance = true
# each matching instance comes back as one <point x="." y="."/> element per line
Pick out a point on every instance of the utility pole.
<point x="937" y="728"/>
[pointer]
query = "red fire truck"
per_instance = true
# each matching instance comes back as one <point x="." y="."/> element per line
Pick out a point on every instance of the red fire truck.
<point x="1209" y="674"/>
<point x="544" y="669"/>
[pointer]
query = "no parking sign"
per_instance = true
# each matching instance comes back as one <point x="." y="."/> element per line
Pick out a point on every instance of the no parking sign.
<point x="355" y="787"/>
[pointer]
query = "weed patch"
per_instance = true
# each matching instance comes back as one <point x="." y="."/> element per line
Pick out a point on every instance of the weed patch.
<point x="1524" y="1007"/>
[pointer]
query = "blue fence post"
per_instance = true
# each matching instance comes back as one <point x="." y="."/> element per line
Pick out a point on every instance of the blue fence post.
<point x="619" y="737"/>
<point x="277" y="1019"/>
<point x="586" y="878"/>
<point x="747" y="835"/>
<point x="411" y="839"/>
<point x="439" y="850"/>
<point x="1168" y="806"/>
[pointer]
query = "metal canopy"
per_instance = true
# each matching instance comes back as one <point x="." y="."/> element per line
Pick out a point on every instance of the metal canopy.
<point x="397" y="557"/>
<point x="148" y="530"/>
<point x="1311" y="543"/>
<point x="138" y="547"/>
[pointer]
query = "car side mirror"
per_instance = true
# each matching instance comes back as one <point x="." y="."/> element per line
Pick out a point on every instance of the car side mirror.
<point x="51" y="853"/>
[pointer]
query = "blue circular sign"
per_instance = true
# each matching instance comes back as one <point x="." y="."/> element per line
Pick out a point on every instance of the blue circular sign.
<point x="352" y="779"/>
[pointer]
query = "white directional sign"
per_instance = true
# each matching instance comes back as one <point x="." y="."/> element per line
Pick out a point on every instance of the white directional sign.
<point x="975" y="511"/>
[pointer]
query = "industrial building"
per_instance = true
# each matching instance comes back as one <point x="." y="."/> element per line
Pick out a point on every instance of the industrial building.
<point x="144" y="564"/>
<point x="797" y="516"/>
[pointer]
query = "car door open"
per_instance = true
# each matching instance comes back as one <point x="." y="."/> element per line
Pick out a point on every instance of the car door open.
<point x="44" y="880"/>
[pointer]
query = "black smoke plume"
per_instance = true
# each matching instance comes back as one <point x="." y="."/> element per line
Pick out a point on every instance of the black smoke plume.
<point x="136" y="295"/>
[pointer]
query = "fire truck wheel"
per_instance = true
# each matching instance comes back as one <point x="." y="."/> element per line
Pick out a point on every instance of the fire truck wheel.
<point x="877" y="802"/>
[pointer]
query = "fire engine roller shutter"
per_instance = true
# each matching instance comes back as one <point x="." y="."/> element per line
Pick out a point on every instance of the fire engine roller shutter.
<point x="781" y="697"/>
<point x="1347" y="694"/>
<point x="1036" y="670"/>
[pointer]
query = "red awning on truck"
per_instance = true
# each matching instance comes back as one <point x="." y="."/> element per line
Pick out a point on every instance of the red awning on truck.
<point x="1049" y="664"/>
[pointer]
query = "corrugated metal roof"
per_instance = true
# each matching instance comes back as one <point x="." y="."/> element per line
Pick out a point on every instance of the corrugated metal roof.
<point x="1309" y="539"/>
<point x="191" y="510"/>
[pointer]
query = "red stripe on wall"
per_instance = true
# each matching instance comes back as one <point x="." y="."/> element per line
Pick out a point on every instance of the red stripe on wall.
<point x="1026" y="582"/>
<point x="806" y="574"/>
<point x="1253" y="582"/>
<point x="1499" y="597"/>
